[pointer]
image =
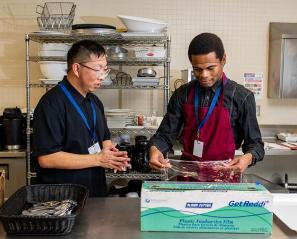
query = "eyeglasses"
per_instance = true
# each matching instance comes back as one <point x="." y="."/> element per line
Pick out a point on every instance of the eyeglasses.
<point x="99" y="73"/>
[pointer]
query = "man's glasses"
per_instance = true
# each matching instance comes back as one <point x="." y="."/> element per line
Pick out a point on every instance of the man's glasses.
<point x="99" y="73"/>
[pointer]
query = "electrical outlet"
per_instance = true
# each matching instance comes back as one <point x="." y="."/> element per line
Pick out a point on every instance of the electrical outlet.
<point x="257" y="110"/>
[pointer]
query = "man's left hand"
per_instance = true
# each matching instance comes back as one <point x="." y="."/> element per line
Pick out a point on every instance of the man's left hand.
<point x="240" y="164"/>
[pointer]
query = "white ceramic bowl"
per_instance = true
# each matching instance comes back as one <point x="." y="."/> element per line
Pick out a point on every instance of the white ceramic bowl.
<point x="140" y="24"/>
<point x="53" y="69"/>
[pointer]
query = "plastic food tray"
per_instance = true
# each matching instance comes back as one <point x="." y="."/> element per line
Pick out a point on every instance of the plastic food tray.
<point x="15" y="223"/>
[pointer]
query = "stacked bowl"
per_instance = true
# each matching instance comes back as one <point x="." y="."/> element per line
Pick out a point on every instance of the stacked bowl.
<point x="53" y="71"/>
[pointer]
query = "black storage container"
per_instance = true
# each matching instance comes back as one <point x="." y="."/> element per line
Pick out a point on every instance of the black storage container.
<point x="16" y="223"/>
<point x="140" y="162"/>
<point x="13" y="124"/>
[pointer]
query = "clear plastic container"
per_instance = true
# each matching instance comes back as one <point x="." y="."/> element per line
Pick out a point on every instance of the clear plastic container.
<point x="201" y="171"/>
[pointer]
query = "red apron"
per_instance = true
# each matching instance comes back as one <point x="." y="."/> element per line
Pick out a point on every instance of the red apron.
<point x="216" y="134"/>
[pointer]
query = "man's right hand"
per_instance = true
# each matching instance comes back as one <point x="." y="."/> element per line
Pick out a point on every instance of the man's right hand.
<point x="108" y="158"/>
<point x="157" y="160"/>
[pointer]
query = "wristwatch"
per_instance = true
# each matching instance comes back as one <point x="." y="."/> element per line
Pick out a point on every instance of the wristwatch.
<point x="254" y="160"/>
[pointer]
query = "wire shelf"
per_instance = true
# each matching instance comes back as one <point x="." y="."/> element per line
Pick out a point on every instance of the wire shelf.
<point x="131" y="61"/>
<point x="113" y="87"/>
<point x="110" y="38"/>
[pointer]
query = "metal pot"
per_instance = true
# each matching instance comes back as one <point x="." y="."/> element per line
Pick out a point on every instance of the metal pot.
<point x="146" y="72"/>
<point x="117" y="52"/>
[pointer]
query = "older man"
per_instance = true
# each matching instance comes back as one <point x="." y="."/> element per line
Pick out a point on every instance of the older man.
<point x="71" y="139"/>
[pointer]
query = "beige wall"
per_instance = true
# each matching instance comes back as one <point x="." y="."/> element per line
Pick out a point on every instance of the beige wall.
<point x="242" y="25"/>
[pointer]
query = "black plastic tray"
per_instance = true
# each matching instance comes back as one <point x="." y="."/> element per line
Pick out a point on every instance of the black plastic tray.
<point x="15" y="223"/>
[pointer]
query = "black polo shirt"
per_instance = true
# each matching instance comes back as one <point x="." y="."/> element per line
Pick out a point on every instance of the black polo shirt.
<point x="59" y="127"/>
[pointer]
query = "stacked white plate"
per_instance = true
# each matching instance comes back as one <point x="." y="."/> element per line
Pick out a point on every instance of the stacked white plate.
<point x="118" y="118"/>
<point x="145" y="81"/>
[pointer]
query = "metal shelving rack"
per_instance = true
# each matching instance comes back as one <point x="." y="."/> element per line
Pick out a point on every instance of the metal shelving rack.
<point x="104" y="39"/>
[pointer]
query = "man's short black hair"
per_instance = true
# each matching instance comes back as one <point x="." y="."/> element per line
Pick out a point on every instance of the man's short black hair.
<point x="81" y="51"/>
<point x="205" y="43"/>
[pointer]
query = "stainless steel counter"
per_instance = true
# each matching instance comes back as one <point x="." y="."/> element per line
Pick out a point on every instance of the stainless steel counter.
<point x="118" y="218"/>
<point x="268" y="151"/>
<point x="13" y="154"/>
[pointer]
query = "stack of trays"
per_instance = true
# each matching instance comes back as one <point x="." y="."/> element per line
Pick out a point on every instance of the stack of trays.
<point x="145" y="81"/>
<point x="118" y="118"/>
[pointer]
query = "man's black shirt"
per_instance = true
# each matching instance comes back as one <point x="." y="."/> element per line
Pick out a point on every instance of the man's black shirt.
<point x="59" y="127"/>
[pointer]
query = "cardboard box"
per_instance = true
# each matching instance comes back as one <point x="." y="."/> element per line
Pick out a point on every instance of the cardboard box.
<point x="206" y="207"/>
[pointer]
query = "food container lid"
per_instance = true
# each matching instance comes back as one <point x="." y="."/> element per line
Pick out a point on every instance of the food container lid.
<point x="86" y="26"/>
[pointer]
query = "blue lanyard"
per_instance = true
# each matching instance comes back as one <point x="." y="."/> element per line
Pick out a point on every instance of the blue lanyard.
<point x="211" y="108"/>
<point x="73" y="102"/>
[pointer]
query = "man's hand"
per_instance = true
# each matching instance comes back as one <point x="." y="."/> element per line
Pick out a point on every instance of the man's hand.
<point x="240" y="164"/>
<point x="110" y="157"/>
<point x="109" y="144"/>
<point x="157" y="160"/>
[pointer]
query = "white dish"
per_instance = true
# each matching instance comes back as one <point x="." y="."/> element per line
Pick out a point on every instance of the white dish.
<point x="145" y="84"/>
<point x="50" y="81"/>
<point x="86" y="31"/>
<point x="140" y="24"/>
<point x="142" y="34"/>
<point x="285" y="208"/>
<point x="150" y="52"/>
<point x="134" y="127"/>
<point x="146" y="79"/>
<point x="116" y="115"/>
<point x="118" y="110"/>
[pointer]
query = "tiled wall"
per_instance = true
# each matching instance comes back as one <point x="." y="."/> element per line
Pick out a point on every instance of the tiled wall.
<point x="242" y="25"/>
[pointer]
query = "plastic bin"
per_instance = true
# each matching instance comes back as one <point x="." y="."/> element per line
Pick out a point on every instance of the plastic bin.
<point x="16" y="223"/>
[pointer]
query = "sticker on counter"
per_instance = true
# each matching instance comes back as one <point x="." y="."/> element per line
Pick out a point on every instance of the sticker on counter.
<point x="254" y="82"/>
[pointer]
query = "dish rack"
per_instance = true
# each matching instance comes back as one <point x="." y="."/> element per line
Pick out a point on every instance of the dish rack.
<point x="55" y="16"/>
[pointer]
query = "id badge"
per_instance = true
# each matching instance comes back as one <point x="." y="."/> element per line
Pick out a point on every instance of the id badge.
<point x="94" y="149"/>
<point x="198" y="148"/>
